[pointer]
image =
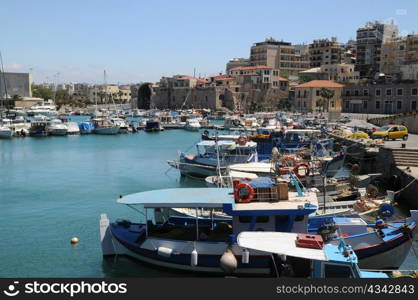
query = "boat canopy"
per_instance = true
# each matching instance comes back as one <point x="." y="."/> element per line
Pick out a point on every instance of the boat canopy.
<point x="181" y="197"/>
<point x="225" y="144"/>
<point x="284" y="243"/>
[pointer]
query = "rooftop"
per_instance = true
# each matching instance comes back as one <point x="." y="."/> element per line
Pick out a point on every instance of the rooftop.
<point x="320" y="84"/>
<point x="222" y="77"/>
<point x="259" y="67"/>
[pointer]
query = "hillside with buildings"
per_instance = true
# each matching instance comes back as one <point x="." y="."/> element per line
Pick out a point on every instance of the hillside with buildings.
<point x="375" y="73"/>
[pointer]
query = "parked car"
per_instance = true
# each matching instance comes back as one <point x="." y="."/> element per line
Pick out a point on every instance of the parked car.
<point x="391" y="132"/>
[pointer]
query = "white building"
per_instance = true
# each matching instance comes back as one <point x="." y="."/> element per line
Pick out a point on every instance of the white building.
<point x="16" y="84"/>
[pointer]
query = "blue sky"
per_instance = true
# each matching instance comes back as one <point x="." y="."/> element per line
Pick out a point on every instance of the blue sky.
<point x="138" y="41"/>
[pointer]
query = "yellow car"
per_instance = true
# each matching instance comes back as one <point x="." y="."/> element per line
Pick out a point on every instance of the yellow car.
<point x="391" y="132"/>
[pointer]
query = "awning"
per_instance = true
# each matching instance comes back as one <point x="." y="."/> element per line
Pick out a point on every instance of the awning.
<point x="181" y="197"/>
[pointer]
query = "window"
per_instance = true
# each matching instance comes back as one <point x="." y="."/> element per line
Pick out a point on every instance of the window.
<point x="356" y="93"/>
<point x="414" y="105"/>
<point x="366" y="92"/>
<point x="377" y="92"/>
<point x="237" y="89"/>
<point x="365" y="104"/>
<point x="299" y="218"/>
<point x="399" y="105"/>
<point x="377" y="104"/>
<point x="317" y="92"/>
<point x="414" y="92"/>
<point x="399" y="92"/>
<point x="259" y="219"/>
<point x="347" y="93"/>
<point x="347" y="104"/>
<point x="388" y="92"/>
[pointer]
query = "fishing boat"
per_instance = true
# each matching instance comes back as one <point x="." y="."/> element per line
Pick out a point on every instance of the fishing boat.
<point x="302" y="255"/>
<point x="19" y="126"/>
<point x="383" y="244"/>
<point x="38" y="128"/>
<point x="192" y="125"/>
<point x="56" y="127"/>
<point x="232" y="123"/>
<point x="205" y="245"/>
<point x="47" y="110"/>
<point x="214" y="244"/>
<point x="213" y="157"/>
<point x="105" y="127"/>
<point x="153" y="126"/>
<point x="86" y="127"/>
<point x="123" y="125"/>
<point x="5" y="132"/>
<point x="379" y="245"/>
<point x="73" y="128"/>
<point x="206" y="136"/>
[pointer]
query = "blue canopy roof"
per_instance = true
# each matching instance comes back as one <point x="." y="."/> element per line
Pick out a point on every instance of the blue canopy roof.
<point x="181" y="197"/>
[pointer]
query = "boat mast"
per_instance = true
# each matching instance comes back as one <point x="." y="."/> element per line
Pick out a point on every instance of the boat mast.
<point x="104" y="85"/>
<point x="4" y="81"/>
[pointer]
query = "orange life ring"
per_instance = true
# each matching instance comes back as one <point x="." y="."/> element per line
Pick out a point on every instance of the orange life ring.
<point x="250" y="190"/>
<point x="296" y="170"/>
<point x="242" y="140"/>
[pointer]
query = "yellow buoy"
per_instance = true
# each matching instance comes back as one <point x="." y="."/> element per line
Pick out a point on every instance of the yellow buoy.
<point x="74" y="240"/>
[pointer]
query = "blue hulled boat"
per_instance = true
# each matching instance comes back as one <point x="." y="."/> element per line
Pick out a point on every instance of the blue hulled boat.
<point x="213" y="157"/>
<point x="227" y="245"/>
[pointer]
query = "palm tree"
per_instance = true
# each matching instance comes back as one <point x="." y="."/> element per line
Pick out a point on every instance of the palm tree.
<point x="326" y="94"/>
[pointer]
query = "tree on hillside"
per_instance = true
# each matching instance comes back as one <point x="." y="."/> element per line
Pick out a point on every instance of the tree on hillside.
<point x="42" y="92"/>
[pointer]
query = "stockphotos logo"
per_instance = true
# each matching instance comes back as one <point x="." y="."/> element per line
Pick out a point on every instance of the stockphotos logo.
<point x="11" y="290"/>
<point x="71" y="289"/>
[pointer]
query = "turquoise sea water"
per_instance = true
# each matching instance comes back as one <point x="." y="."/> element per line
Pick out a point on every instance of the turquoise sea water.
<point x="54" y="188"/>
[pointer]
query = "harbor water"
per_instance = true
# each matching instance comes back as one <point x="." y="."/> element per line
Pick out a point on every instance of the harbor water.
<point x="54" y="188"/>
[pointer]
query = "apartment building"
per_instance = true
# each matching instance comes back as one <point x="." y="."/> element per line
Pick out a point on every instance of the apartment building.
<point x="368" y="46"/>
<point x="325" y="52"/>
<point x="279" y="55"/>
<point x="392" y="56"/>
<point x="411" y="56"/>
<point x="342" y="73"/>
<point x="81" y="91"/>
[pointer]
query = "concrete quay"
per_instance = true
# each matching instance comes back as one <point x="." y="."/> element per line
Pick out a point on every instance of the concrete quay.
<point x="397" y="161"/>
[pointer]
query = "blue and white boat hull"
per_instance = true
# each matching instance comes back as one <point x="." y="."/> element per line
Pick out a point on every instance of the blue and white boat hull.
<point x="175" y="254"/>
